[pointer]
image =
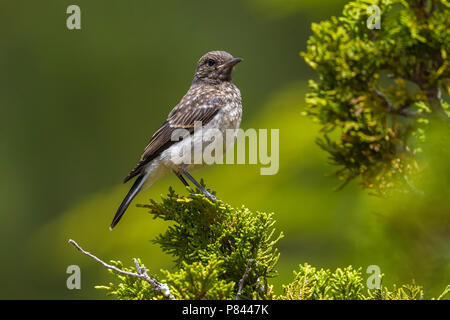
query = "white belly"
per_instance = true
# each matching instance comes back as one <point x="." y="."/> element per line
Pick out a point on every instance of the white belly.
<point x="217" y="135"/>
<point x="226" y="122"/>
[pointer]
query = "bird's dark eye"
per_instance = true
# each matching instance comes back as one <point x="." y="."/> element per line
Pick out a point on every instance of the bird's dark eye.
<point x="210" y="62"/>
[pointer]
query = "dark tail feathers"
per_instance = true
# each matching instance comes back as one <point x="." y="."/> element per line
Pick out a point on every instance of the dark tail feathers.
<point x="130" y="196"/>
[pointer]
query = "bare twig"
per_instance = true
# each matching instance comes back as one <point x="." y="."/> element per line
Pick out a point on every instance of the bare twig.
<point x="390" y="107"/>
<point x="433" y="96"/>
<point x="434" y="99"/>
<point x="244" y="277"/>
<point x="141" y="272"/>
<point x="413" y="187"/>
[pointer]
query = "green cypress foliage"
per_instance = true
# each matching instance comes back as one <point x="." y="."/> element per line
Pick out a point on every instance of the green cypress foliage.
<point x="378" y="89"/>
<point x="217" y="249"/>
<point x="213" y="245"/>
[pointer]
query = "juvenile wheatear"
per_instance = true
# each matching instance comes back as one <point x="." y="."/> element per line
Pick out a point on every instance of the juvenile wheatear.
<point x="212" y="100"/>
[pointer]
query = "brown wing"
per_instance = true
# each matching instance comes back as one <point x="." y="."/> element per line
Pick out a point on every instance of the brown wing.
<point x="182" y="116"/>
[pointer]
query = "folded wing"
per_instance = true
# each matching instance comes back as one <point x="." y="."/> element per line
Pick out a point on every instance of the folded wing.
<point x="184" y="115"/>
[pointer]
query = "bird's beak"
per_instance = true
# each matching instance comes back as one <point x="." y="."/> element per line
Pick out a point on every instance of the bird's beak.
<point x="231" y="63"/>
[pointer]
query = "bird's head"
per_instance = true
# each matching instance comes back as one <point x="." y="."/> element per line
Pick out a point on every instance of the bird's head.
<point x="215" y="67"/>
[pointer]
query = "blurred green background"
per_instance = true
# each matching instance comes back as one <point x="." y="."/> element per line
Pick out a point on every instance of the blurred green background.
<point x="78" y="107"/>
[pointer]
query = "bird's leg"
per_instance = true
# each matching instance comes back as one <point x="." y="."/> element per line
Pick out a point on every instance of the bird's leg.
<point x="181" y="178"/>
<point x="198" y="185"/>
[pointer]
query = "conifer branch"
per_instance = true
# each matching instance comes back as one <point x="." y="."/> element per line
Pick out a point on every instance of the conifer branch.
<point x="141" y="272"/>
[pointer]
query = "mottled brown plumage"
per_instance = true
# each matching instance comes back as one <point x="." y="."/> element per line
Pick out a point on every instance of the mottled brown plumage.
<point x="214" y="101"/>
<point x="201" y="103"/>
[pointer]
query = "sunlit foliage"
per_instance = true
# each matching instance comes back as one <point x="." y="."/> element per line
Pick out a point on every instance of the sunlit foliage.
<point x="220" y="250"/>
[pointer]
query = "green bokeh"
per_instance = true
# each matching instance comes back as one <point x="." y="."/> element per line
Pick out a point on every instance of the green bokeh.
<point x="78" y="107"/>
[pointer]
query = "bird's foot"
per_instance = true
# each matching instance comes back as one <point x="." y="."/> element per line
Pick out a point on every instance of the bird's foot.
<point x="208" y="194"/>
<point x="211" y="196"/>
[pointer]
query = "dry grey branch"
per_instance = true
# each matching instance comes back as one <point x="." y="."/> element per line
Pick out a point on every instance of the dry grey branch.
<point x="141" y="272"/>
<point x="391" y="109"/>
<point x="241" y="282"/>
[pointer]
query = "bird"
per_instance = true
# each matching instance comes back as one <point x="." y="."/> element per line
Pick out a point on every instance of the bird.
<point x="213" y="101"/>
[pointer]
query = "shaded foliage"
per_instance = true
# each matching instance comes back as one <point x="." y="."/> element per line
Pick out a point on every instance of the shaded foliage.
<point x="379" y="88"/>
